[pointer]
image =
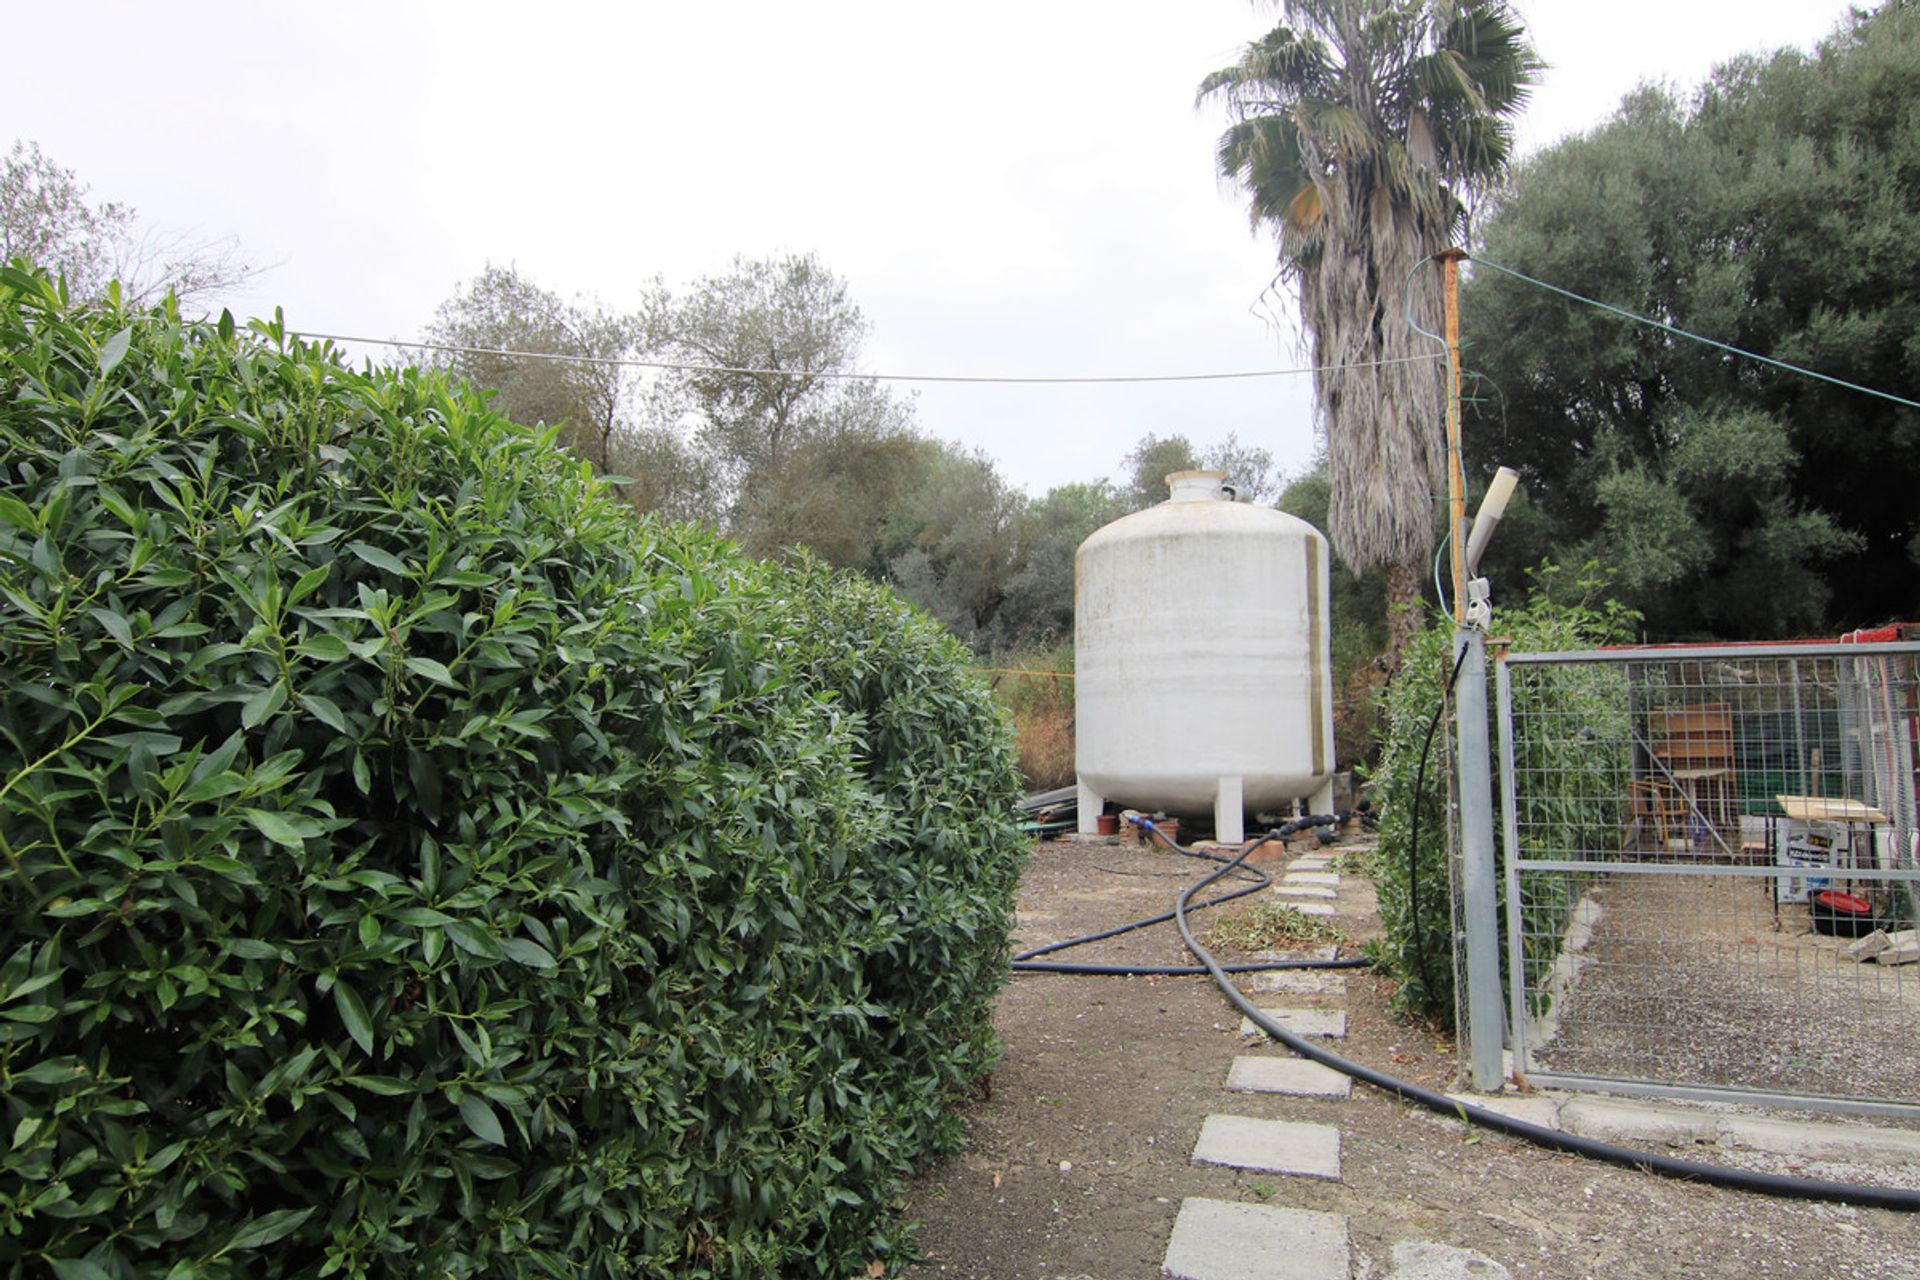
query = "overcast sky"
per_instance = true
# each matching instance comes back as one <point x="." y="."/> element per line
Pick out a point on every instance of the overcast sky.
<point x="1009" y="188"/>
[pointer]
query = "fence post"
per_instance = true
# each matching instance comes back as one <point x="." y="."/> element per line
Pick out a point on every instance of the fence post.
<point x="1478" y="872"/>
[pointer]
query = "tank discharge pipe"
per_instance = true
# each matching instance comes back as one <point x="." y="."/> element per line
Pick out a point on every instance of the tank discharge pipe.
<point x="1553" y="1139"/>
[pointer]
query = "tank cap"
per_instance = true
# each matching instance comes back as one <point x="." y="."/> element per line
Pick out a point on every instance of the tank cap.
<point x="1197" y="486"/>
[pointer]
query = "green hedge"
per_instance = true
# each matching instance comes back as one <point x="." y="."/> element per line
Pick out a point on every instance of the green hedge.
<point x="416" y="865"/>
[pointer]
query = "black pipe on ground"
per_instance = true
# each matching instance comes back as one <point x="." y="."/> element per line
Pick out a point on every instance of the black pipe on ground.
<point x="1029" y="962"/>
<point x="1553" y="1139"/>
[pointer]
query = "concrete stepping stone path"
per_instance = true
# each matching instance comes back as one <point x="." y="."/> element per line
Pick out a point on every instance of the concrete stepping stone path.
<point x="1270" y="1146"/>
<point x="1230" y="1240"/>
<point x="1225" y="1240"/>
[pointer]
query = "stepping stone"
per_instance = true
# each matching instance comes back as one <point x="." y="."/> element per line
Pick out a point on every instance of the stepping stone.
<point x="1303" y="891"/>
<point x="1225" y="1240"/>
<point x="1269" y="1146"/>
<point x="1302" y="1022"/>
<point x="1311" y="908"/>
<point x="1287" y="1075"/>
<point x="1327" y="878"/>
<point x="1329" y="951"/>
<point x="1309" y="864"/>
<point x="1302" y="982"/>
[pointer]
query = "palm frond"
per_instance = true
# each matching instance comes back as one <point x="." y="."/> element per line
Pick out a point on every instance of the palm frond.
<point x="1263" y="156"/>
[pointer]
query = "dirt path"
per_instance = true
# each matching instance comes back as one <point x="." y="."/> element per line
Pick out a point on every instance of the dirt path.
<point x="1079" y="1160"/>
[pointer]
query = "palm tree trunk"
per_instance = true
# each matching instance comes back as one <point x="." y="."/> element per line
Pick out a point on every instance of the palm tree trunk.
<point x="1406" y="611"/>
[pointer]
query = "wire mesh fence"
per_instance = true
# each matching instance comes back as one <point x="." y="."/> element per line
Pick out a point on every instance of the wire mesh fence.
<point x="1712" y="870"/>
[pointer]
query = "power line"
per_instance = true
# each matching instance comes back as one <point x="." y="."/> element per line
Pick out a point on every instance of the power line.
<point x="686" y="367"/>
<point x="1694" y="337"/>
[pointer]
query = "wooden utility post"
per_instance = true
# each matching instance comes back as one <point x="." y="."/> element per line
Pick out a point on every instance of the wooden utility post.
<point x="1450" y="260"/>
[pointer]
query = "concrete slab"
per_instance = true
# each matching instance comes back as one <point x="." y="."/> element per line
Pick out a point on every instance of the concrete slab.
<point x="1225" y="1240"/>
<point x="1309" y="863"/>
<point x="1312" y="982"/>
<point x="1327" y="878"/>
<point x="1425" y="1260"/>
<point x="1533" y="1108"/>
<point x="1618" y="1121"/>
<point x="1287" y="1075"/>
<point x="1813" y="1140"/>
<point x="1311" y="908"/>
<point x="1269" y="1146"/>
<point x="1634" y="1122"/>
<point x="1302" y="1022"/>
<point x="1304" y="891"/>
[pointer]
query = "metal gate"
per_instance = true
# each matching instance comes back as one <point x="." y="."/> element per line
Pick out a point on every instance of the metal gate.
<point x="1701" y="845"/>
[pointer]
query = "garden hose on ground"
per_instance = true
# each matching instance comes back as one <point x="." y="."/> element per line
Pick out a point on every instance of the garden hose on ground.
<point x="1029" y="962"/>
<point x="1553" y="1139"/>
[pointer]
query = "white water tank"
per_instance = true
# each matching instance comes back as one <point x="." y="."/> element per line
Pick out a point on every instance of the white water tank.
<point x="1202" y="674"/>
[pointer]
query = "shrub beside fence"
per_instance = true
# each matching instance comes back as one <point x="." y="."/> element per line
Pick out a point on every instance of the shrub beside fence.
<point x="1584" y="809"/>
<point x="413" y="864"/>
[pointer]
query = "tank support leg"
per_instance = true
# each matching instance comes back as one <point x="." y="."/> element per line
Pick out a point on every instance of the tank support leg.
<point x="1323" y="798"/>
<point x="1229" y="812"/>
<point x="1090" y="807"/>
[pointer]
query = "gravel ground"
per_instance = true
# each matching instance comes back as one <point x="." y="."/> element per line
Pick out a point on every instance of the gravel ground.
<point x="1697" y="981"/>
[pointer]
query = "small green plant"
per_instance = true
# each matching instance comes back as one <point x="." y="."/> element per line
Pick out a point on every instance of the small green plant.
<point x="1262" y="1189"/>
<point x="1271" y="926"/>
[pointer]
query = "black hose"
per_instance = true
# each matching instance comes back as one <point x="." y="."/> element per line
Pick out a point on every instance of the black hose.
<point x="1029" y="962"/>
<point x="1553" y="1139"/>
<point x="1413" y="835"/>
<point x="1182" y="970"/>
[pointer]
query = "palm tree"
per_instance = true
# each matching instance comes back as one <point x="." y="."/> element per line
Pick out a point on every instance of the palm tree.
<point x="1361" y="129"/>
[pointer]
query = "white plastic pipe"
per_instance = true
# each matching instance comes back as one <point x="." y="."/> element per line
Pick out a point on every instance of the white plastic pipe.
<point x="1492" y="507"/>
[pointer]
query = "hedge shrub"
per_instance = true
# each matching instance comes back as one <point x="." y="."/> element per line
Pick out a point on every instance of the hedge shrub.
<point x="413" y="864"/>
<point x="1563" y="611"/>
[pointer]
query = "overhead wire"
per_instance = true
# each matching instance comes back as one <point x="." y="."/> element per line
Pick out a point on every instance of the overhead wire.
<point x="1678" y="332"/>
<point x="634" y="362"/>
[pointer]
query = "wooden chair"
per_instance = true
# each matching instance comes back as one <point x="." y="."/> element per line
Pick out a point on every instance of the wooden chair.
<point x="1657" y="807"/>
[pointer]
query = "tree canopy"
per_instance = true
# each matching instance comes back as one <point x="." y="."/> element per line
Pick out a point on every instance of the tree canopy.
<point x="46" y="218"/>
<point x="1776" y="208"/>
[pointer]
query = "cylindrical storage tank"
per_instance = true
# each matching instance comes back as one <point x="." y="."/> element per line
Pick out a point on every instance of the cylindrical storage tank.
<point x="1202" y="672"/>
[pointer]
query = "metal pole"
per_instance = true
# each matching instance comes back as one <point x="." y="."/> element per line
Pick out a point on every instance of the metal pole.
<point x="1479" y="870"/>
<point x="1450" y="260"/>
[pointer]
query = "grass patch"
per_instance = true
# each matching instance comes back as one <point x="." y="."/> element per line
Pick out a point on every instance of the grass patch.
<point x="1272" y="926"/>
<point x="1041" y="707"/>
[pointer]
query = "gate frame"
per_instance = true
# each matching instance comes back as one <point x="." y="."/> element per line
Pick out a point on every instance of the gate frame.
<point x="1512" y="862"/>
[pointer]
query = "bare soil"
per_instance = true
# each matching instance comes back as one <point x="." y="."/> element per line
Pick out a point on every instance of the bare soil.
<point x="1079" y="1158"/>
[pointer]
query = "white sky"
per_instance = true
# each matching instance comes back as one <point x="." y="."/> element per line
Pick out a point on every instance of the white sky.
<point x="1009" y="188"/>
